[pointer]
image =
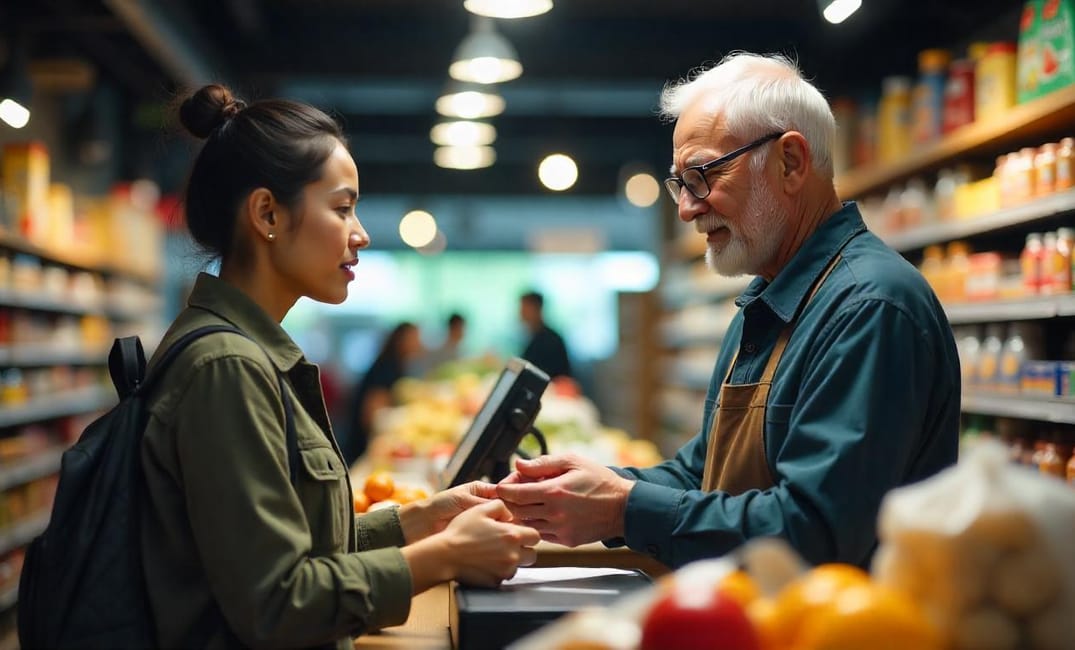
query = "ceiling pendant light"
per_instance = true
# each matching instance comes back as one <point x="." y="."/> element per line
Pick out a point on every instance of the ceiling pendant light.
<point x="837" y="11"/>
<point x="469" y="101"/>
<point x="464" y="157"/>
<point x="485" y="56"/>
<point x="507" y="8"/>
<point x="458" y="133"/>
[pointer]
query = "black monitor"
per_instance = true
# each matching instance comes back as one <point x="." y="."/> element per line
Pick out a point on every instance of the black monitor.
<point x="506" y="416"/>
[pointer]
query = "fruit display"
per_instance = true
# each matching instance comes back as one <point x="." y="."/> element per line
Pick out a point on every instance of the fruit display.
<point x="760" y="598"/>
<point x="977" y="557"/>
<point x="986" y="548"/>
<point x="418" y="436"/>
<point x="382" y="490"/>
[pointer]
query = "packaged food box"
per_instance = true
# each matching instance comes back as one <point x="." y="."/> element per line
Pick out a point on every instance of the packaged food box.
<point x="1046" y="44"/>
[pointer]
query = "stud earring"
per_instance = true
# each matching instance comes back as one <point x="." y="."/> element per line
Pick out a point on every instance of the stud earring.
<point x="271" y="236"/>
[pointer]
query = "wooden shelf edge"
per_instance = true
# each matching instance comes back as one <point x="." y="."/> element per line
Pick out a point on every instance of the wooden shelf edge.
<point x="1041" y="116"/>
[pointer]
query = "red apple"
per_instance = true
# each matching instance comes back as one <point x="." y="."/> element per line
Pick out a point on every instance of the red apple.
<point x="699" y="620"/>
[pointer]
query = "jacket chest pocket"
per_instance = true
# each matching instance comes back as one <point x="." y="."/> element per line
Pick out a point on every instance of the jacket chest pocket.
<point x="322" y="488"/>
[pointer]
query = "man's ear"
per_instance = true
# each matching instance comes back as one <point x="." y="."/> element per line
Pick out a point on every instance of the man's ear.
<point x="795" y="165"/>
<point x="259" y="212"/>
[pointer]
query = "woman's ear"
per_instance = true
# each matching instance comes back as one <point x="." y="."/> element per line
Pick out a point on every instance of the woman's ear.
<point x="259" y="212"/>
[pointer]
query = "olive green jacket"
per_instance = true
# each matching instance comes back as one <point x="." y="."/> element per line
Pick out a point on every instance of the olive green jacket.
<point x="234" y="555"/>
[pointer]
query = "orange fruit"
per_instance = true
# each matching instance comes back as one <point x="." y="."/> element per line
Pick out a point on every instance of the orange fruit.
<point x="868" y="616"/>
<point x="762" y="613"/>
<point x="800" y="599"/>
<point x="362" y="502"/>
<point x="740" y="586"/>
<point x="407" y="494"/>
<point x="379" y="486"/>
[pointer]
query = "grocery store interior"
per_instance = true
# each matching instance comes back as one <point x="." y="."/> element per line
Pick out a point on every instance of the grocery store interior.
<point x="954" y="134"/>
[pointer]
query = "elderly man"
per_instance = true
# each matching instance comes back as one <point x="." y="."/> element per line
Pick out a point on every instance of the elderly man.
<point x="837" y="380"/>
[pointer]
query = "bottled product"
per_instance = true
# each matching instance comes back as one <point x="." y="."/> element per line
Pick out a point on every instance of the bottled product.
<point x="843" y="109"/>
<point x="989" y="357"/>
<point x="933" y="266"/>
<point x="1045" y="169"/>
<point x="1071" y="471"/>
<point x="1052" y="461"/>
<point x="894" y="119"/>
<point x="1030" y="261"/>
<point x="958" y="95"/>
<point x="865" y="148"/>
<point x="1023" y="177"/>
<point x="958" y="271"/>
<point x="1065" y="248"/>
<point x="928" y="95"/>
<point x="1002" y="174"/>
<point x="1064" y="155"/>
<point x="944" y="195"/>
<point x="916" y="208"/>
<point x="1024" y="343"/>
<point x="994" y="82"/>
<point x="1049" y="268"/>
<point x="969" y="350"/>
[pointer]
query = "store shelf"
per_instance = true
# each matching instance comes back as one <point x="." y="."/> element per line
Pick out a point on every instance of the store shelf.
<point x="39" y="303"/>
<point x="21" y="245"/>
<point x="1034" y="308"/>
<point x="23" y="533"/>
<point x="1019" y="406"/>
<point x="25" y="470"/>
<point x="1027" y="213"/>
<point x="40" y="355"/>
<point x="57" y="405"/>
<point x="1035" y="119"/>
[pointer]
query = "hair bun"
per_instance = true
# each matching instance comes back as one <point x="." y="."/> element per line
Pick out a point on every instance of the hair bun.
<point x="208" y="109"/>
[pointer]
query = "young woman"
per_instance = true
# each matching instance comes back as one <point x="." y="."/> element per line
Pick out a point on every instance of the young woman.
<point x="235" y="553"/>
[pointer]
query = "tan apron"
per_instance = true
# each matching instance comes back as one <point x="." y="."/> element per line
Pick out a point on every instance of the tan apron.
<point x="735" y="458"/>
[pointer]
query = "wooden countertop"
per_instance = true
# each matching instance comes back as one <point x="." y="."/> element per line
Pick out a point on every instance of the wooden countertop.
<point x="427" y="626"/>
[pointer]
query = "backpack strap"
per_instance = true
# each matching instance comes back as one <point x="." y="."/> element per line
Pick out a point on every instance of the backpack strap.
<point x="127" y="365"/>
<point x="147" y="380"/>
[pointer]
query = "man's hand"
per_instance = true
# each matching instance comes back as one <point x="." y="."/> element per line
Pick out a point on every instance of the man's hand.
<point x="430" y="516"/>
<point x="570" y="500"/>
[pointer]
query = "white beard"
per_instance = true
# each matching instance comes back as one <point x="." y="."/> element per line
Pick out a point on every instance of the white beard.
<point x="754" y="239"/>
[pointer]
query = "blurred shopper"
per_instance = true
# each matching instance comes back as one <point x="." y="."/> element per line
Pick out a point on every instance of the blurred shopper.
<point x="399" y="350"/>
<point x="546" y="348"/>
<point x="837" y="380"/>
<point x="449" y="349"/>
<point x="235" y="553"/>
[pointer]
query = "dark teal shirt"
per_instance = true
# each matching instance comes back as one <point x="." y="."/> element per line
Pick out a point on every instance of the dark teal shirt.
<point x="865" y="399"/>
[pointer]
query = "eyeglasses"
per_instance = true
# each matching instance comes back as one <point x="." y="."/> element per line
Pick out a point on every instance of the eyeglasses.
<point x="693" y="178"/>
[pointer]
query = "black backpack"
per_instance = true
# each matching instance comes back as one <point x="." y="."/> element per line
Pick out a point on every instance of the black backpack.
<point x="82" y="583"/>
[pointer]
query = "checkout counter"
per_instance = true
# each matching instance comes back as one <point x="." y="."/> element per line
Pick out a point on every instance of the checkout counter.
<point x="428" y="627"/>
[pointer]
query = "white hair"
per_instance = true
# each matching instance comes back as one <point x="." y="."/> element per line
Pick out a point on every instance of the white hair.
<point x="756" y="95"/>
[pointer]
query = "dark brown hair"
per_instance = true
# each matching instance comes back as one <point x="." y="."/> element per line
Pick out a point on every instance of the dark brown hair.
<point x="277" y="144"/>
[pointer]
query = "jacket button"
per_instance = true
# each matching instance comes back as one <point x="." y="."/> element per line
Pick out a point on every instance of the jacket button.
<point x="750" y="348"/>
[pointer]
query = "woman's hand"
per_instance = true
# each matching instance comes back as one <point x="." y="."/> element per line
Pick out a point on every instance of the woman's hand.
<point x="479" y="546"/>
<point x="426" y="517"/>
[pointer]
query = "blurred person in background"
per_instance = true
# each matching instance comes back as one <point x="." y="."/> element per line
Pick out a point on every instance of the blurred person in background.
<point x="245" y="542"/>
<point x="449" y="349"/>
<point x="401" y="348"/>
<point x="837" y="380"/>
<point x="545" y="348"/>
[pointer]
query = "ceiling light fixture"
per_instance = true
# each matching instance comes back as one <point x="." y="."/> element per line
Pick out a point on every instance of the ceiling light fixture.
<point x="464" y="157"/>
<point x="642" y="190"/>
<point x="469" y="101"/>
<point x="507" y="8"/>
<point x="558" y="172"/>
<point x="837" y="11"/>
<point x="417" y="228"/>
<point x="15" y="89"/>
<point x="462" y="133"/>
<point x="485" y="56"/>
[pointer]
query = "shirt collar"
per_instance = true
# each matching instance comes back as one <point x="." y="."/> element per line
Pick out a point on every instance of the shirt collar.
<point x="230" y="303"/>
<point x="791" y="285"/>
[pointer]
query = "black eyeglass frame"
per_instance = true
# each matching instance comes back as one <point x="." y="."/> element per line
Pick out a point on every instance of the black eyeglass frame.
<point x="674" y="184"/>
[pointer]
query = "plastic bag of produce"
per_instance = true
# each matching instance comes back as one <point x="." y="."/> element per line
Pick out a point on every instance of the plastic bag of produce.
<point x="986" y="548"/>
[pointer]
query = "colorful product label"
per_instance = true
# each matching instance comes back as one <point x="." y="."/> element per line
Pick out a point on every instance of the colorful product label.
<point x="1046" y="44"/>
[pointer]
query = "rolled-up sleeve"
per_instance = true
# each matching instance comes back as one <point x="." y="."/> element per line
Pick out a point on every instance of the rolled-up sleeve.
<point x="251" y="534"/>
<point x="849" y="438"/>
